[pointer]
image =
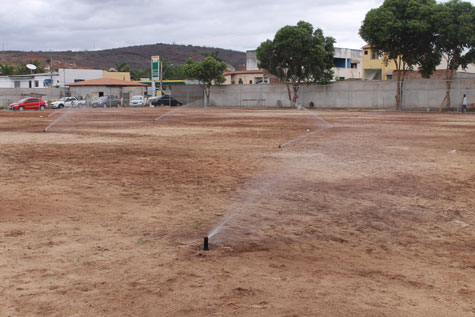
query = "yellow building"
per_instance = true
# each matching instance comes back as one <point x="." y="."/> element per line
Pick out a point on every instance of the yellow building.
<point x="374" y="66"/>
<point x="116" y="75"/>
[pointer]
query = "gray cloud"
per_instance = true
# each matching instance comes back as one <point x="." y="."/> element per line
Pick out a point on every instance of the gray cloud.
<point x="240" y="25"/>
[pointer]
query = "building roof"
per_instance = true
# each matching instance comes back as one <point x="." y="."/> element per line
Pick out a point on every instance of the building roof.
<point x="366" y="46"/>
<point x="257" y="71"/>
<point x="107" y="82"/>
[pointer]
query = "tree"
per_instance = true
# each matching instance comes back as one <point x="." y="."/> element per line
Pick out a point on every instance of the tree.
<point x="298" y="54"/>
<point x="137" y="74"/>
<point x="207" y="72"/>
<point x="37" y="63"/>
<point x="122" y="67"/>
<point x="215" y="54"/>
<point x="455" y="26"/>
<point x="22" y="70"/>
<point x="404" y="31"/>
<point x="6" y="69"/>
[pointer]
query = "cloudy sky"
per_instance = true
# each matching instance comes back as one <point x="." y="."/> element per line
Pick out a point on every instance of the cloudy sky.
<point x="240" y="25"/>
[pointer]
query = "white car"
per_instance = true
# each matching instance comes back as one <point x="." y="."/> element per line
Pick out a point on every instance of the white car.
<point x="67" y="102"/>
<point x="137" y="101"/>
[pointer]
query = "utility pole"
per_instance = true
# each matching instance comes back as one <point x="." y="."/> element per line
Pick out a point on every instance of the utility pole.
<point x="161" y="79"/>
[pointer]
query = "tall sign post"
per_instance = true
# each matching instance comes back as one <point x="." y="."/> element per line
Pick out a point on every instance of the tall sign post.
<point x="155" y="73"/>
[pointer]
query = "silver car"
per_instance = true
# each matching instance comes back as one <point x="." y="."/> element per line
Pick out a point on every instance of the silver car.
<point x="137" y="101"/>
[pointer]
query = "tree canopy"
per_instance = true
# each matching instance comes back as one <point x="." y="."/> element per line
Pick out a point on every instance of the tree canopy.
<point x="298" y="54"/>
<point x="207" y="72"/>
<point x="455" y="28"/>
<point x="404" y="30"/>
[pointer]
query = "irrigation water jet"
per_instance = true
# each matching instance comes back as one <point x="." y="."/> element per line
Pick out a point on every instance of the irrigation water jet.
<point x="205" y="244"/>
<point x="169" y="112"/>
<point x="58" y="119"/>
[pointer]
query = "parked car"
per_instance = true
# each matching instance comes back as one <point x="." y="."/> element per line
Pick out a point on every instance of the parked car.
<point x="68" y="102"/>
<point x="137" y="101"/>
<point x="166" y="100"/>
<point x="106" y="101"/>
<point x="32" y="103"/>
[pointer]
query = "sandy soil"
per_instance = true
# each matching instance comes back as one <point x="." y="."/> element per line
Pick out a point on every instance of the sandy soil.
<point x="366" y="214"/>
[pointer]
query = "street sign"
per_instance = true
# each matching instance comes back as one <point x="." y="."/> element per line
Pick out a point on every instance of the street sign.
<point x="155" y="67"/>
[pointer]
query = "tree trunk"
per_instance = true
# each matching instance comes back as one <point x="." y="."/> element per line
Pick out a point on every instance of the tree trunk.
<point x="289" y="93"/>
<point x="207" y="93"/>
<point x="398" y="63"/>
<point x="449" y="75"/>
<point x="295" y="97"/>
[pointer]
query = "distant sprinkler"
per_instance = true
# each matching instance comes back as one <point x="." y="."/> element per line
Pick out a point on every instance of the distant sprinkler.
<point x="205" y="244"/>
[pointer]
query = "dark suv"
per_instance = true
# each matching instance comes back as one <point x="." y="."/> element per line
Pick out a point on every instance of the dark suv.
<point x="166" y="100"/>
<point x="106" y="101"/>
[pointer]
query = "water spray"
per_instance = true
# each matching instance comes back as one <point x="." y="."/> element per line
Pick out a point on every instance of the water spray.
<point x="205" y="244"/>
<point x="169" y="112"/>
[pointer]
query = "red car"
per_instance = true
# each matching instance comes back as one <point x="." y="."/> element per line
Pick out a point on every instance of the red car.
<point x="28" y="104"/>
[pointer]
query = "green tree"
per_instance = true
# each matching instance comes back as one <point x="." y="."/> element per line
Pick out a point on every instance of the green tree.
<point x="455" y="25"/>
<point x="298" y="54"/>
<point x="403" y="29"/>
<point x="215" y="54"/>
<point x="39" y="69"/>
<point x="207" y="72"/>
<point x="6" y="69"/>
<point x="136" y="74"/>
<point x="122" y="67"/>
<point x="22" y="70"/>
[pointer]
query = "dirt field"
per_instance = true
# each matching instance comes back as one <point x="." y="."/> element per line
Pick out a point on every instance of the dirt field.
<point x="367" y="214"/>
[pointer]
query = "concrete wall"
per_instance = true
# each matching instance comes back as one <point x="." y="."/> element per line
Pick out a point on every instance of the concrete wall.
<point x="188" y="94"/>
<point x="418" y="94"/>
<point x="9" y="95"/>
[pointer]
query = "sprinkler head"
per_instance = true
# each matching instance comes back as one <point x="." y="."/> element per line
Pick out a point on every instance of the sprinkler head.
<point x="205" y="245"/>
<point x="280" y="146"/>
<point x="44" y="130"/>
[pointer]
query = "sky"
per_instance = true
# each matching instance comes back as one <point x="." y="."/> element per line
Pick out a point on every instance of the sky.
<point x="52" y="25"/>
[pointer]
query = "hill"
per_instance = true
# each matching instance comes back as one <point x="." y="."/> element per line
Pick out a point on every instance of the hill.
<point x="138" y="57"/>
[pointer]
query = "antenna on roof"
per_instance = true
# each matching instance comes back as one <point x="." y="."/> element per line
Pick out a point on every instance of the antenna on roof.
<point x="31" y="67"/>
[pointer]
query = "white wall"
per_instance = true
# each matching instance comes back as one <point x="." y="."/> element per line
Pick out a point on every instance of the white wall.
<point x="68" y="76"/>
<point x="9" y="81"/>
<point x="418" y="94"/>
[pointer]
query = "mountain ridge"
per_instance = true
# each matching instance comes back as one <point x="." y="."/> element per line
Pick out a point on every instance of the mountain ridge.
<point x="137" y="56"/>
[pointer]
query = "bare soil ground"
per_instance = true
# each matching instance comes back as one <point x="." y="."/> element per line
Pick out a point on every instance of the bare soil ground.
<point x="367" y="214"/>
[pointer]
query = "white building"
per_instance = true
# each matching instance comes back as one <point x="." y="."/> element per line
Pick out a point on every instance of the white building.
<point x="69" y="76"/>
<point x="28" y="81"/>
<point x="348" y="63"/>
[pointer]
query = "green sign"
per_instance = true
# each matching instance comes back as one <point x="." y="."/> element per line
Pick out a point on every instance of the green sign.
<point x="155" y="67"/>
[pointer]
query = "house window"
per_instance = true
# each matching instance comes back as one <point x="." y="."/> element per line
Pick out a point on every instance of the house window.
<point x="16" y="84"/>
<point x="240" y="81"/>
<point x="354" y="65"/>
<point x="366" y="52"/>
<point x="250" y="82"/>
<point x="375" y="54"/>
<point x="233" y="82"/>
<point x="37" y="83"/>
